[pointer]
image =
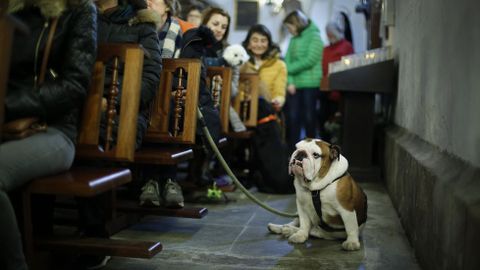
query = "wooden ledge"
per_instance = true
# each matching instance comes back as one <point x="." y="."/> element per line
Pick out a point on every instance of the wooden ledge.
<point x="129" y="206"/>
<point x="100" y="246"/>
<point x="241" y="135"/>
<point x="222" y="142"/>
<point x="163" y="155"/>
<point x="81" y="181"/>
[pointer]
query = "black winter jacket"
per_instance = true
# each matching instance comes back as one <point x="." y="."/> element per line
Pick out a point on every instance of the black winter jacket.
<point x="59" y="100"/>
<point x="125" y="24"/>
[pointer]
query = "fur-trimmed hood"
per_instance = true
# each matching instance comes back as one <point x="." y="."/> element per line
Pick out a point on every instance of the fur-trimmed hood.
<point x="48" y="8"/>
<point x="146" y="16"/>
<point x="143" y="13"/>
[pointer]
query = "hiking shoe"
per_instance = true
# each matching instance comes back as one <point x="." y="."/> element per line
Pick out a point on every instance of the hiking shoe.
<point x="150" y="194"/>
<point x="172" y="195"/>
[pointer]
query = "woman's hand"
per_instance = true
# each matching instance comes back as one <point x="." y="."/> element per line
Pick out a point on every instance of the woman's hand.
<point x="291" y="89"/>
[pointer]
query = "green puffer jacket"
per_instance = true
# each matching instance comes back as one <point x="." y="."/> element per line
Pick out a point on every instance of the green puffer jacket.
<point x="304" y="58"/>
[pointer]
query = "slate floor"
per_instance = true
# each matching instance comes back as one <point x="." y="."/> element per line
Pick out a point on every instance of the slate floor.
<point x="234" y="236"/>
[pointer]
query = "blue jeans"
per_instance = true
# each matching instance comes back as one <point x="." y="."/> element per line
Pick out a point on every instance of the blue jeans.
<point x="301" y="113"/>
<point x="21" y="161"/>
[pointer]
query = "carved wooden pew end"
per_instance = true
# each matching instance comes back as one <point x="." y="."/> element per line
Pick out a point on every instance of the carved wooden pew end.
<point x="81" y="182"/>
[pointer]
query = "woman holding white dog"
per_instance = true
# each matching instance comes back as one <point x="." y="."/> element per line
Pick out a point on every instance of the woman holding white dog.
<point x="218" y="20"/>
<point x="303" y="59"/>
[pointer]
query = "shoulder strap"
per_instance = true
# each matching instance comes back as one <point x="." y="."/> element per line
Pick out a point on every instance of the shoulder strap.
<point x="46" y="53"/>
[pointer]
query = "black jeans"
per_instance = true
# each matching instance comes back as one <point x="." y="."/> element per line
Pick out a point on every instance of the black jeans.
<point x="301" y="113"/>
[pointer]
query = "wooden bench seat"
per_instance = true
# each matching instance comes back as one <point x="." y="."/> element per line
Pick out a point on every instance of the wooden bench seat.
<point x="171" y="131"/>
<point x="100" y="246"/>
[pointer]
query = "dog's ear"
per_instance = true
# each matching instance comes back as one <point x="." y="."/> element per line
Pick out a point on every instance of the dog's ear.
<point x="334" y="152"/>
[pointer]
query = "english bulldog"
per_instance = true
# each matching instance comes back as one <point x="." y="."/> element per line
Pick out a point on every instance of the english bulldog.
<point x="330" y="204"/>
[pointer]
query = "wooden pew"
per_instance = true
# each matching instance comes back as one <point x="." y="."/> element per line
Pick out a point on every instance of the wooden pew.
<point x="219" y="82"/>
<point x="183" y="107"/>
<point x="92" y="181"/>
<point x="88" y="146"/>
<point x="84" y="182"/>
<point x="162" y="145"/>
<point x="173" y="122"/>
<point x="246" y="105"/>
<point x="76" y="182"/>
<point x="170" y="137"/>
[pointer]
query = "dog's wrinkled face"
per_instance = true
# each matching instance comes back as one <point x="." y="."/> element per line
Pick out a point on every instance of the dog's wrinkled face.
<point x="306" y="161"/>
<point x="313" y="159"/>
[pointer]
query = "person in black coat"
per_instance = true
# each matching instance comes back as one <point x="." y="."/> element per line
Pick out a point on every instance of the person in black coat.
<point x="57" y="101"/>
<point x="197" y="42"/>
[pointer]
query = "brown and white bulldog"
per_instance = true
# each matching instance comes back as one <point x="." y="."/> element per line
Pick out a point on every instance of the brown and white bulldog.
<point x="330" y="204"/>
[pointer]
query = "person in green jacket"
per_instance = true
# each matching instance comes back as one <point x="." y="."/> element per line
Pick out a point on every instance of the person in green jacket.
<point x="304" y="66"/>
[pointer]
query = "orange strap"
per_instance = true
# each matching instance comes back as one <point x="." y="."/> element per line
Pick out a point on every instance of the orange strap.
<point x="267" y="119"/>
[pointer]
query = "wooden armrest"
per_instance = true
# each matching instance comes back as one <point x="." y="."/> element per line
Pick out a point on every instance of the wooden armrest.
<point x="82" y="182"/>
<point x="101" y="246"/>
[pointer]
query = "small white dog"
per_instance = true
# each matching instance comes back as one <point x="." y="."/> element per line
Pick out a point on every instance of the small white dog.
<point x="330" y="204"/>
<point x="235" y="55"/>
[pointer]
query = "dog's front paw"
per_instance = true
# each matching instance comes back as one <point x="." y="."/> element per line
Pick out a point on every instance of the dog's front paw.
<point x="298" y="237"/>
<point x="274" y="228"/>
<point x="351" y="245"/>
<point x="288" y="230"/>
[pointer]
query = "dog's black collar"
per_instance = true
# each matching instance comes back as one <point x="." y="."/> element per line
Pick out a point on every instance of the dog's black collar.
<point x="317" y="204"/>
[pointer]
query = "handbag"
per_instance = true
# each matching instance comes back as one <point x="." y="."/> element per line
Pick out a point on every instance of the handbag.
<point x="24" y="127"/>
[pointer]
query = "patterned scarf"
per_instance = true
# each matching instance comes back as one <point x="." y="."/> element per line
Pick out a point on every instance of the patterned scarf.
<point x="170" y="37"/>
